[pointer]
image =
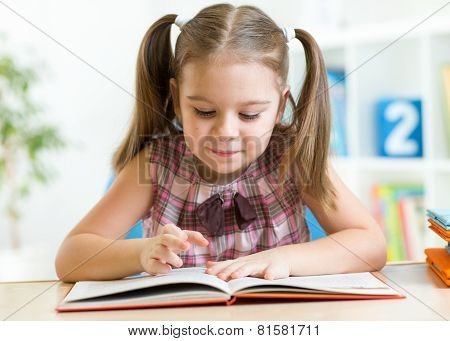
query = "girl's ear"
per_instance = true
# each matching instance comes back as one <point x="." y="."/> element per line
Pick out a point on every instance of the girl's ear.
<point x="175" y="98"/>
<point x="284" y="98"/>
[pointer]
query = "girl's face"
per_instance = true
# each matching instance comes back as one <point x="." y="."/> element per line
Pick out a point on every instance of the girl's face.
<point x="228" y="112"/>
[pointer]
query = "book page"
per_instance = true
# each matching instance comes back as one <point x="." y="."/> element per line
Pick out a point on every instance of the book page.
<point x="337" y="282"/>
<point x="88" y="289"/>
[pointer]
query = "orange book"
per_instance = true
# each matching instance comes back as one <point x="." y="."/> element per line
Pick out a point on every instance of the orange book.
<point x="439" y="230"/>
<point x="439" y="261"/>
<point x="192" y="286"/>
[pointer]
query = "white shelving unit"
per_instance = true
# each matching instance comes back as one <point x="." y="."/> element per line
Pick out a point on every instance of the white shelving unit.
<point x="380" y="64"/>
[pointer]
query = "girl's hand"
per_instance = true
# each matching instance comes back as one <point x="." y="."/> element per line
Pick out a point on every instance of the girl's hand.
<point x="269" y="264"/>
<point x="158" y="254"/>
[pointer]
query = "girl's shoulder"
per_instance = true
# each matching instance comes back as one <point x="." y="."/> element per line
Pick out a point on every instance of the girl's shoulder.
<point x="165" y="147"/>
<point x="164" y="155"/>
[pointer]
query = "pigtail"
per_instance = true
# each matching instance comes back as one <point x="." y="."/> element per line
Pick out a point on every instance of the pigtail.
<point x="311" y="124"/>
<point x="153" y="110"/>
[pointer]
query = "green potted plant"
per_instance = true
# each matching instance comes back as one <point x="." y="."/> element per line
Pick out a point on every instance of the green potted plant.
<point x="24" y="137"/>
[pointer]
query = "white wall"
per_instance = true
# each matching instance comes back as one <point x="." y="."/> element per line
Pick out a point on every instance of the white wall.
<point x="91" y="110"/>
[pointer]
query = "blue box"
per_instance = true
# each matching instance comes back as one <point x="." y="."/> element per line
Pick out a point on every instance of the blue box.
<point x="399" y="127"/>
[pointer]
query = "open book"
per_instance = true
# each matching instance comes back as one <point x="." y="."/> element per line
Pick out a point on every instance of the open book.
<point x="192" y="286"/>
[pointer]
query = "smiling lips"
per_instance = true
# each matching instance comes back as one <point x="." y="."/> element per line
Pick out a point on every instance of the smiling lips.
<point x="224" y="152"/>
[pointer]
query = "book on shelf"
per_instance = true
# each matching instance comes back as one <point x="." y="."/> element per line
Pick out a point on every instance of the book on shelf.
<point x="446" y="89"/>
<point x="336" y="90"/>
<point x="411" y="210"/>
<point x="192" y="286"/>
<point x="399" y="209"/>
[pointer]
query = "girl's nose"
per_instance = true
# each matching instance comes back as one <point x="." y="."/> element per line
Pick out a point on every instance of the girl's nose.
<point x="226" y="127"/>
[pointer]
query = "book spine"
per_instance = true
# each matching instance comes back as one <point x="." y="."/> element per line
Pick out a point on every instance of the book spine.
<point x="405" y="226"/>
<point x="411" y="191"/>
<point x="378" y="208"/>
<point x="394" y="252"/>
<point x="418" y="226"/>
<point x="396" y="226"/>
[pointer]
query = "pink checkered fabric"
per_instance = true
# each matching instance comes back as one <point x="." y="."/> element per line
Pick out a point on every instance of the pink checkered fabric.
<point x="178" y="190"/>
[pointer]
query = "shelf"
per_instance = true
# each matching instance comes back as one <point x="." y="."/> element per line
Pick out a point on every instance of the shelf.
<point x="392" y="164"/>
<point x="379" y="33"/>
<point x="441" y="165"/>
<point x="378" y="65"/>
<point x="383" y="163"/>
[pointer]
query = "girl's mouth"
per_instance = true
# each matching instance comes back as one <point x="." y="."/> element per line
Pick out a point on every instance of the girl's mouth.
<point x="223" y="153"/>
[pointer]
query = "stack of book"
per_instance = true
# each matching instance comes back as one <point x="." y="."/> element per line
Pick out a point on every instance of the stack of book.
<point x="439" y="258"/>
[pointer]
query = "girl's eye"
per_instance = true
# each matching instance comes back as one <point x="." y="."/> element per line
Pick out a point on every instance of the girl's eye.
<point x="204" y="113"/>
<point x="250" y="117"/>
<point x="208" y="114"/>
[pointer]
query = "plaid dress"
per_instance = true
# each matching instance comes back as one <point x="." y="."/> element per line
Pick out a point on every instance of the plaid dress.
<point x="178" y="190"/>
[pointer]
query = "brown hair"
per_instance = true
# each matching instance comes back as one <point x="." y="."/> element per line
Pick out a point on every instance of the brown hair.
<point x="250" y="35"/>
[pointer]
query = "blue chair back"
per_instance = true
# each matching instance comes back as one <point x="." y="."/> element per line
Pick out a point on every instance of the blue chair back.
<point x="136" y="231"/>
<point x="314" y="226"/>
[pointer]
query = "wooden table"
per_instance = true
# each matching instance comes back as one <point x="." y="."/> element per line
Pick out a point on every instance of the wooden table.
<point x="428" y="298"/>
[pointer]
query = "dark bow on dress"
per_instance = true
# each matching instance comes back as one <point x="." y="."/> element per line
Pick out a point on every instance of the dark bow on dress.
<point x="211" y="213"/>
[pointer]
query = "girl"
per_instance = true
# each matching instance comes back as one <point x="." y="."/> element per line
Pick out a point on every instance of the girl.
<point x="218" y="180"/>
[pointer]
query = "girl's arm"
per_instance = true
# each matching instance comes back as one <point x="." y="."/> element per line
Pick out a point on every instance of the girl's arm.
<point x="95" y="248"/>
<point x="354" y="242"/>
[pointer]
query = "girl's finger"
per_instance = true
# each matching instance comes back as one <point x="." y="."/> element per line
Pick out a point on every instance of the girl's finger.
<point x="175" y="230"/>
<point x="227" y="271"/>
<point x="246" y="269"/>
<point x="173" y="242"/>
<point x="275" y="272"/>
<point x="218" y="267"/>
<point x="167" y="256"/>
<point x="270" y="273"/>
<point x="155" y="267"/>
<point x="186" y="235"/>
<point x="196" y="238"/>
